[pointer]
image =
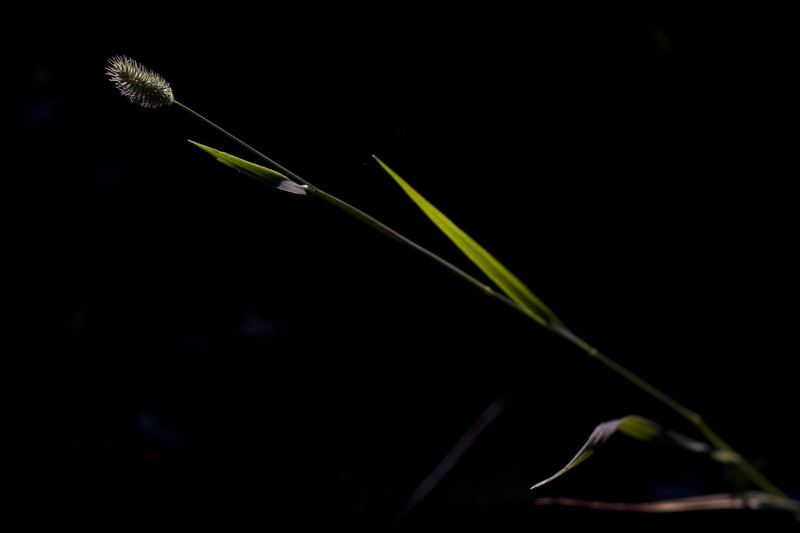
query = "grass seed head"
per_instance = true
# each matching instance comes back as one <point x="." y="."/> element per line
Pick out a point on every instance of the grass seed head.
<point x="140" y="84"/>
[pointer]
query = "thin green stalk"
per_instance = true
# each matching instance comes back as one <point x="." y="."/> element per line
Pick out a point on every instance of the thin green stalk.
<point x="694" y="418"/>
<point x="386" y="230"/>
<point x="711" y="436"/>
<point x="743" y="465"/>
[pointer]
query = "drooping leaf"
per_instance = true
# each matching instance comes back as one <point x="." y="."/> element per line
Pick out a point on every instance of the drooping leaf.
<point x="638" y="428"/>
<point x="262" y="174"/>
<point x="499" y="274"/>
<point x="599" y="436"/>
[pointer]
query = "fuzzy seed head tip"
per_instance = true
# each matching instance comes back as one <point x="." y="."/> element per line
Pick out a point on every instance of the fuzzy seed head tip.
<point x="137" y="82"/>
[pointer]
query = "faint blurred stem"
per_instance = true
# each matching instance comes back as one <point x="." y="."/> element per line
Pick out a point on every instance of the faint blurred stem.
<point x="452" y="457"/>
<point x="743" y="465"/>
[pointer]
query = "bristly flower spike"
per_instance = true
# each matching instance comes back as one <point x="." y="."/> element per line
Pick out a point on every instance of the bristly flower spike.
<point x="148" y="89"/>
<point x="140" y="84"/>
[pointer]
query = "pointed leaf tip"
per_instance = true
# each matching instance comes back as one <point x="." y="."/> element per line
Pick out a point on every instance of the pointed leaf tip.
<point x="258" y="172"/>
<point x="494" y="270"/>
<point x="638" y="428"/>
<point x="599" y="436"/>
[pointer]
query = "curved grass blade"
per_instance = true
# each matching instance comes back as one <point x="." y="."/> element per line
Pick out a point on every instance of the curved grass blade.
<point x="638" y="428"/>
<point x="599" y="436"/>
<point x="262" y="174"/>
<point x="499" y="274"/>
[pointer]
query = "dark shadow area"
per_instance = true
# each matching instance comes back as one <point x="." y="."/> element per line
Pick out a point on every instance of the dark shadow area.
<point x="190" y="347"/>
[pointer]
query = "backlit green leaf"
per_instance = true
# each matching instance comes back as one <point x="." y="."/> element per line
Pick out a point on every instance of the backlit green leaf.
<point x="499" y="274"/>
<point x="262" y="174"/>
<point x="638" y="428"/>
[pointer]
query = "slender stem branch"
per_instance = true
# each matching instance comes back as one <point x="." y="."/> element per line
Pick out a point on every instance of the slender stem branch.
<point x="667" y="400"/>
<point x="744" y="466"/>
<point x="386" y="230"/>
<point x="241" y="142"/>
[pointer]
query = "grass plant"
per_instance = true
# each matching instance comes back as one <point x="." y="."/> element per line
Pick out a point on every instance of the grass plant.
<point x="150" y="90"/>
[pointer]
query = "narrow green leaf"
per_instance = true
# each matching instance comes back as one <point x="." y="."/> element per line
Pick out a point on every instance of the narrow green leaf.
<point x="638" y="428"/>
<point x="262" y="174"/>
<point x="490" y="266"/>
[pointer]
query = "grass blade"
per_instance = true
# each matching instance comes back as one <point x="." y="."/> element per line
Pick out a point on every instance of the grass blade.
<point x="598" y="437"/>
<point x="499" y="274"/>
<point x="642" y="429"/>
<point x="262" y="174"/>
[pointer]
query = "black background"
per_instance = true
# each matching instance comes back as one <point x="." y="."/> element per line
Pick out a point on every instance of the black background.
<point x="188" y="347"/>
